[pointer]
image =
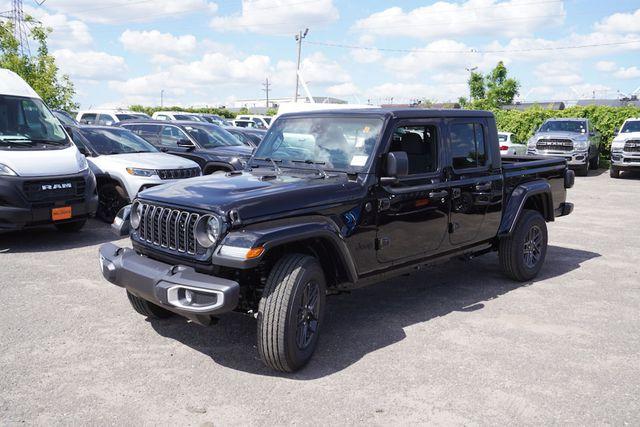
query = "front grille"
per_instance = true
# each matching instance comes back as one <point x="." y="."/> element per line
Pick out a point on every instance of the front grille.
<point x="555" y="144"/>
<point x="178" y="173"/>
<point x="632" y="146"/>
<point x="50" y="190"/>
<point x="168" y="228"/>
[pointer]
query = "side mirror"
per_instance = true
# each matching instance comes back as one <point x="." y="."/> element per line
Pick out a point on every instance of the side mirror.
<point x="185" y="143"/>
<point x="121" y="223"/>
<point x="397" y="165"/>
<point x="84" y="151"/>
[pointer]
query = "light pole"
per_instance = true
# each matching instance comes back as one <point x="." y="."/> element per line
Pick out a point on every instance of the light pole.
<point x="162" y="98"/>
<point x="470" y="70"/>
<point x="301" y="35"/>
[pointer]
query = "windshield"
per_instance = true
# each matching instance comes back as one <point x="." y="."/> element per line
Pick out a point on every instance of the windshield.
<point x="268" y="120"/>
<point x="28" y="120"/>
<point x="116" y="141"/>
<point x="340" y="143"/>
<point x="187" y="117"/>
<point x="123" y="117"/>
<point x="211" y="136"/>
<point x="631" y="126"/>
<point x="574" y="126"/>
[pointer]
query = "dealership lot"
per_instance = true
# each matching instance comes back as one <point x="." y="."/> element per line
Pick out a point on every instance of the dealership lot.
<point x="455" y="343"/>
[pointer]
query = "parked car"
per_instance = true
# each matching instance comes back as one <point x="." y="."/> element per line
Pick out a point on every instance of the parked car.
<point x="210" y="146"/>
<point x="625" y="148"/>
<point x="177" y="115"/>
<point x="107" y="117"/>
<point x="247" y="124"/>
<point x="572" y="139"/>
<point x="125" y="164"/>
<point x="509" y="145"/>
<point x="333" y="201"/>
<point x="65" y="118"/>
<point x="215" y="119"/>
<point x="44" y="179"/>
<point x="262" y="122"/>
<point x="248" y="136"/>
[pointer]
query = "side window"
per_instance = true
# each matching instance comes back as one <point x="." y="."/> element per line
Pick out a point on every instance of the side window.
<point x="162" y="117"/>
<point x="468" y="146"/>
<point x="105" y="119"/>
<point x="88" y="118"/>
<point x="171" y="135"/>
<point x="146" y="132"/>
<point x="421" y="145"/>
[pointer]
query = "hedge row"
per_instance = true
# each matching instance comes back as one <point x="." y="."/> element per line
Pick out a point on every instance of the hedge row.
<point x="150" y="110"/>
<point x="605" y="119"/>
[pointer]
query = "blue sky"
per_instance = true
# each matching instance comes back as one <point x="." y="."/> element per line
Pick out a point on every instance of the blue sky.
<point x="204" y="52"/>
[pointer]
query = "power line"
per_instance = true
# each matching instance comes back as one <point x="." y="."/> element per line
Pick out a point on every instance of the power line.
<point x="474" y="51"/>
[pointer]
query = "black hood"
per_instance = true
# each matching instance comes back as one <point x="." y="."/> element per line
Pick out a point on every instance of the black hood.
<point x="230" y="151"/>
<point x="255" y="195"/>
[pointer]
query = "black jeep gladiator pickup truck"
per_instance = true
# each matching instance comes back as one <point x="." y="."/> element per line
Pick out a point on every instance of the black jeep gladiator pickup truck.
<point x="331" y="201"/>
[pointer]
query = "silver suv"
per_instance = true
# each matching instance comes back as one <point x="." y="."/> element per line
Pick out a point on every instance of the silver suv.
<point x="572" y="139"/>
<point x="625" y="148"/>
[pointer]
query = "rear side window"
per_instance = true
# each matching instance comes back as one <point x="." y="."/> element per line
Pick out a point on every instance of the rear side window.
<point x="171" y="135"/>
<point x="146" y="132"/>
<point x="89" y="118"/>
<point x="105" y="119"/>
<point x="468" y="146"/>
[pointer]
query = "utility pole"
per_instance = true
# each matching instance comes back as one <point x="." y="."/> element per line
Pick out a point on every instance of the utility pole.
<point x="20" y="26"/>
<point x="162" y="98"/>
<point x="470" y="70"/>
<point x="266" y="85"/>
<point x="301" y="35"/>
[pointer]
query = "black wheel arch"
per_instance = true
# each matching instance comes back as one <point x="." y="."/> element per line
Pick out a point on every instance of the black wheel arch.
<point x="103" y="179"/>
<point x="534" y="195"/>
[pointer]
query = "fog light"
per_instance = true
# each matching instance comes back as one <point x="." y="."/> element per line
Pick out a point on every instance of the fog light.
<point x="188" y="296"/>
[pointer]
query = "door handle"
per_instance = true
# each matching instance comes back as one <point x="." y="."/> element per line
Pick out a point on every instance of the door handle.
<point x="485" y="186"/>
<point x="438" y="194"/>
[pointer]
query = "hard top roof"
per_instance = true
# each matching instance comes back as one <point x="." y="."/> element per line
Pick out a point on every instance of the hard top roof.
<point x="11" y="84"/>
<point x="405" y="113"/>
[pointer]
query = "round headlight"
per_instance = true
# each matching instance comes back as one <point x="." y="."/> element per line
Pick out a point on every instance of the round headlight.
<point x="136" y="215"/>
<point x="208" y="230"/>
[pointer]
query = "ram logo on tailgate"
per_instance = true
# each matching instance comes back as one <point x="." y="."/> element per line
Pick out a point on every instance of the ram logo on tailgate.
<point x="62" y="186"/>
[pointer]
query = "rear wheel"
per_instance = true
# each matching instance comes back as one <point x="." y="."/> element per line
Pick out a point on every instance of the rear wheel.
<point x="583" y="170"/>
<point x="110" y="201"/>
<point x="614" y="172"/>
<point x="147" y="308"/>
<point x="522" y="253"/>
<point x="290" y="312"/>
<point x="71" y="227"/>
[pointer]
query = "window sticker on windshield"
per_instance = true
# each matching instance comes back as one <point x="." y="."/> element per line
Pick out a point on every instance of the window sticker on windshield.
<point x="359" y="160"/>
<point x="366" y="129"/>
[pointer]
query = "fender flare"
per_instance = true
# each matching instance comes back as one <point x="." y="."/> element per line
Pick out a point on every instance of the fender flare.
<point x="109" y="177"/>
<point x="519" y="197"/>
<point x="272" y="236"/>
<point x="217" y="164"/>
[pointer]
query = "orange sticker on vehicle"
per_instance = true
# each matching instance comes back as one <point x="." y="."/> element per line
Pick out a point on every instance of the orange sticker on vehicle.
<point x="58" y="214"/>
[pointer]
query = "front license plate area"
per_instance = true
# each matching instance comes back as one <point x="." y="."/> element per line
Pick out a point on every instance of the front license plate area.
<point x="60" y="214"/>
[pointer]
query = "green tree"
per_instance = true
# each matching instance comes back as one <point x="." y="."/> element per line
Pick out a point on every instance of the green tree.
<point x="494" y="89"/>
<point x="40" y="69"/>
<point x="477" y="86"/>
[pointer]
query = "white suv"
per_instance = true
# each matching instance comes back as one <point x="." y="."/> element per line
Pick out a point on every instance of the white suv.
<point x="125" y="164"/>
<point x="107" y="117"/>
<point x="262" y="122"/>
<point x="177" y="115"/>
<point x="625" y="148"/>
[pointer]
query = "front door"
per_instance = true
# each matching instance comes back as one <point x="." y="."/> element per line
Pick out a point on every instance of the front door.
<point x="476" y="190"/>
<point x="413" y="214"/>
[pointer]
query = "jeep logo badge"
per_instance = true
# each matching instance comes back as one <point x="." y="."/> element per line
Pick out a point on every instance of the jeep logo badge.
<point x="46" y="187"/>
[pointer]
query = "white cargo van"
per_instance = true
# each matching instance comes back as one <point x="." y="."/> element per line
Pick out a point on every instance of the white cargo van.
<point x="43" y="177"/>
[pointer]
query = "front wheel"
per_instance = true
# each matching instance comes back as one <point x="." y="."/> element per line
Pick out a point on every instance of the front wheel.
<point x="583" y="170"/>
<point x="146" y="308"/>
<point x="614" y="172"/>
<point x="290" y="312"/>
<point x="594" y="163"/>
<point x="110" y="201"/>
<point x="522" y="253"/>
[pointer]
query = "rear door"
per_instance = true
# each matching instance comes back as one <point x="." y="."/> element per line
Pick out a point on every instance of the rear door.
<point x="476" y="188"/>
<point x="413" y="214"/>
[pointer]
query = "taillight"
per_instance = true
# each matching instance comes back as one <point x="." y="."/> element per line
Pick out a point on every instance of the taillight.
<point x="504" y="148"/>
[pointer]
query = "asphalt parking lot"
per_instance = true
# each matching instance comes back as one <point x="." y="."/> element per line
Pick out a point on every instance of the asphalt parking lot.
<point x="452" y="344"/>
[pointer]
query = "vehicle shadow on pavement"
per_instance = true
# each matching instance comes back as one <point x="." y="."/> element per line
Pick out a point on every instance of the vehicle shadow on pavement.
<point x="371" y="318"/>
<point x="45" y="239"/>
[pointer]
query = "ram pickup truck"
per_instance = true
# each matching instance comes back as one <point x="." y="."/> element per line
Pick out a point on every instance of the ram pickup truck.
<point x="625" y="148"/>
<point x="572" y="139"/>
<point x="331" y="201"/>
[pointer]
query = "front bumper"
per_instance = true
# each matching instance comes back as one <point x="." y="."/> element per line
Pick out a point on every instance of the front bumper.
<point x="165" y="284"/>
<point x="625" y="160"/>
<point x="573" y="158"/>
<point x="17" y="211"/>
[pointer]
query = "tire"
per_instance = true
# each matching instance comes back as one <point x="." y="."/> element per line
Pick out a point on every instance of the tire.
<point x="284" y="342"/>
<point x="594" y="164"/>
<point x="147" y="308"/>
<point x="583" y="170"/>
<point x="110" y="201"/>
<point x="515" y="260"/>
<point x="71" y="227"/>
<point x="614" y="172"/>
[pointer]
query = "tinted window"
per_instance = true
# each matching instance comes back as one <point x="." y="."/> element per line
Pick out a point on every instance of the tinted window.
<point x="147" y="132"/>
<point x="88" y="118"/>
<point x="420" y="143"/>
<point x="467" y="145"/>
<point x="171" y="135"/>
<point x="211" y="136"/>
<point x="116" y="141"/>
<point x="24" y="119"/>
<point x="123" y="117"/>
<point x="105" y="119"/>
<point x="631" y="126"/>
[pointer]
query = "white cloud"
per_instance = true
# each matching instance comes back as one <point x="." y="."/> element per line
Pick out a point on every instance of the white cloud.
<point x="622" y="23"/>
<point x="65" y="32"/>
<point x="579" y="91"/>
<point x="627" y="73"/>
<point x="559" y="73"/>
<point x="156" y="43"/>
<point x="277" y="16"/>
<point x="446" y="19"/>
<point x="316" y="69"/>
<point x="605" y="66"/>
<point x="343" y="90"/>
<point x="117" y="11"/>
<point x="90" y="65"/>
<point x="408" y="92"/>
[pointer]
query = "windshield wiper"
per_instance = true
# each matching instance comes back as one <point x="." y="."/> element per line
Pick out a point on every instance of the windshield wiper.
<point x="276" y="168"/>
<point x="48" y="141"/>
<point x="320" y="171"/>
